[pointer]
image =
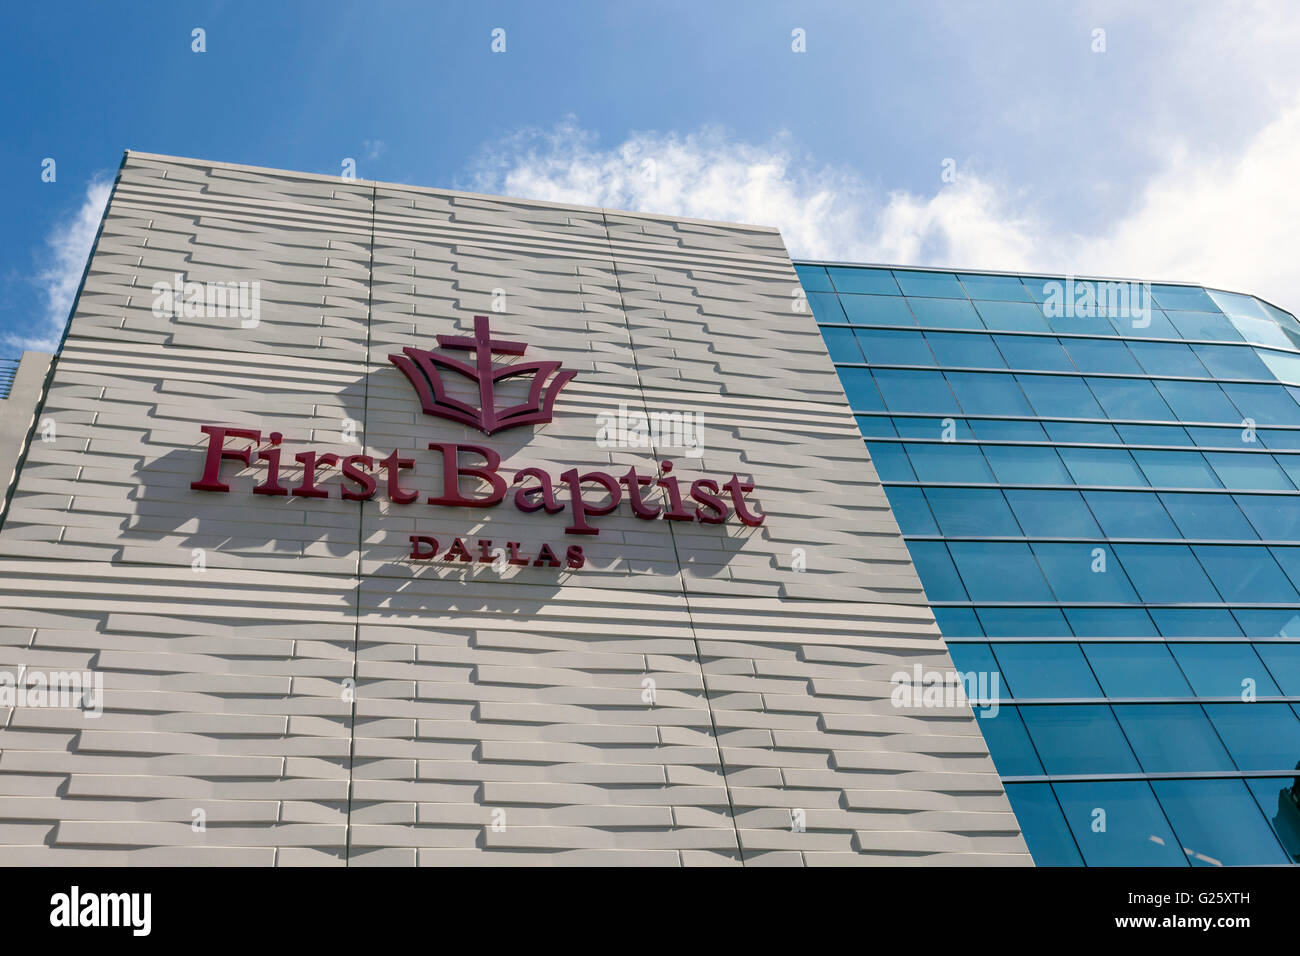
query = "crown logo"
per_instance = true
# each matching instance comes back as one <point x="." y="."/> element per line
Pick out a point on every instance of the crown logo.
<point x="423" y="369"/>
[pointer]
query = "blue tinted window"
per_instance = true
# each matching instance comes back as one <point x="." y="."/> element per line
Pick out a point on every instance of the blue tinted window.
<point x="1274" y="438"/>
<point x="988" y="393"/>
<point x="1195" y="622"/>
<point x="1078" y="738"/>
<point x="1283" y="660"/>
<point x="1154" y="434"/>
<point x="1100" y="355"/>
<point x="1136" y="670"/>
<point x="890" y="461"/>
<point x="1198" y="401"/>
<point x="1012" y="316"/>
<point x="1023" y="622"/>
<point x="1282" y="810"/>
<point x="972" y="657"/>
<point x="1259" y="736"/>
<point x="1093" y="433"/>
<point x="1110" y="622"/>
<point x="1026" y="465"/>
<point x="1130" y="398"/>
<point x="1204" y="325"/>
<point x="1207" y="516"/>
<point x="825" y="307"/>
<point x="1052" y="513"/>
<point x="874" y="281"/>
<point x="999" y="571"/>
<point x="841" y="344"/>
<point x="1245" y="574"/>
<point x="945" y="314"/>
<point x="932" y="428"/>
<point x="1044" y="828"/>
<point x="934" y="567"/>
<point x="1169" y="738"/>
<point x="930" y="283"/>
<point x="1069" y="570"/>
<point x="908" y="390"/>
<point x="1274" y="517"/>
<point x="1001" y="288"/>
<point x="1130" y="514"/>
<point x="1045" y="670"/>
<point x="1207" y="436"/>
<point x="1159" y="327"/>
<point x="1135" y="834"/>
<point x="957" y="622"/>
<point x="1006" y="430"/>
<point x="1165" y="574"/>
<point x="1266" y="404"/>
<point x="1219" y="670"/>
<point x="965" y="350"/>
<point x="860" y="390"/>
<point x="1289" y="559"/>
<point x="1246" y="470"/>
<point x="1183" y="297"/>
<point x="1268" y="622"/>
<point x="1226" y="361"/>
<point x="1177" y="469"/>
<point x="877" y="310"/>
<point x="1033" y="352"/>
<point x="1013" y="755"/>
<point x="972" y="511"/>
<point x="910" y="510"/>
<point x="1101" y="466"/>
<point x="949" y="462"/>
<point x="876" y="426"/>
<point x="813" y="278"/>
<point x="1056" y="396"/>
<point x="890" y="347"/>
<point x="1168" y="358"/>
<point x="1218" y="822"/>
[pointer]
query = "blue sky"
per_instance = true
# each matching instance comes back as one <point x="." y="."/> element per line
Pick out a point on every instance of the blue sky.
<point x="1169" y="154"/>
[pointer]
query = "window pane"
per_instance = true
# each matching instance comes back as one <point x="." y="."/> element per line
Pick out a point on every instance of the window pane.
<point x="929" y="283"/>
<point x="1245" y="574"/>
<point x="1209" y="436"/>
<point x="999" y="571"/>
<point x="890" y="461"/>
<point x="1045" y="670"/>
<point x="825" y="307"/>
<point x="1078" y="738"/>
<point x="910" y="510"/>
<point x="988" y="393"/>
<point x="1130" y="514"/>
<point x="945" y="314"/>
<point x="1274" y="517"/>
<point x="841" y="344"/>
<point x="1110" y="622"/>
<point x="1048" y="513"/>
<point x="1069" y="570"/>
<point x="938" y="576"/>
<point x="1177" y="469"/>
<point x="1204" y="325"/>
<point x="1023" y="622"/>
<point x="1168" y="358"/>
<point x="1101" y="466"/>
<point x="813" y="278"/>
<point x="1094" y="433"/>
<point x="957" y="622"/>
<point x="1198" y="401"/>
<point x="948" y="462"/>
<point x="1268" y="622"/>
<point x="1165" y="574"/>
<point x="860" y="390"/>
<point x="1033" y="352"/>
<point x="1281" y="806"/>
<point x="1207" y="516"/>
<point x="1060" y="396"/>
<point x="1136" y="670"/>
<point x="1223" y="670"/>
<point x="1172" y="738"/>
<point x="1046" y="833"/>
<point x="1013" y="755"/>
<point x="907" y="390"/>
<point x="1259" y="736"/>
<point x="1195" y="622"/>
<point x="1026" y="465"/>
<point x="889" y="347"/>
<point x="1226" y="361"/>
<point x="1100" y="355"/>
<point x="1218" y="823"/>
<point x="965" y="350"/>
<point x="1154" y="434"/>
<point x="932" y="428"/>
<point x="1135" y="834"/>
<point x="1130" y="398"/>
<point x="1283" y="662"/>
<point x="972" y="511"/>
<point x="1266" y="404"/>
<point x="875" y="281"/>
<point x="1007" y="288"/>
<point x="1006" y="430"/>
<point x="1248" y="470"/>
<point x="876" y="426"/>
<point x="1183" y="297"/>
<point x="1012" y="316"/>
<point x="876" y="310"/>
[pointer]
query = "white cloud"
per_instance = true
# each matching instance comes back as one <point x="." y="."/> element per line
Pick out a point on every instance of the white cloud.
<point x="68" y="248"/>
<point x="1226" y="220"/>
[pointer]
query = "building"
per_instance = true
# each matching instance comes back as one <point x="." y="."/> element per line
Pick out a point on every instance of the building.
<point x="1097" y="482"/>
<point x="371" y="524"/>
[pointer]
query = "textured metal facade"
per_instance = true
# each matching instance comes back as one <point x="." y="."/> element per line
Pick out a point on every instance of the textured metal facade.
<point x="496" y="718"/>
